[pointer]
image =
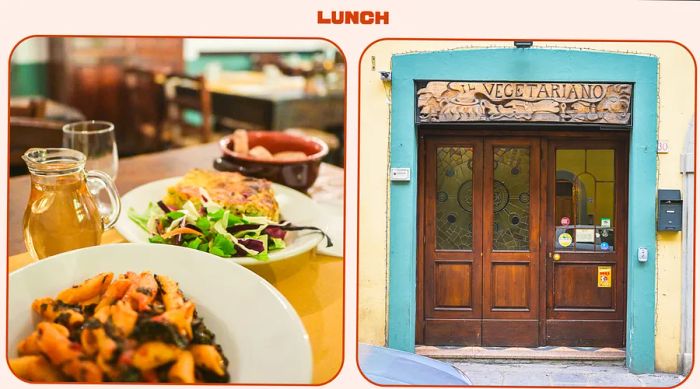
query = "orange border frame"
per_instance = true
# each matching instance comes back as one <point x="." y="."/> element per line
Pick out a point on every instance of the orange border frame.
<point x="345" y="161"/>
<point x="466" y="40"/>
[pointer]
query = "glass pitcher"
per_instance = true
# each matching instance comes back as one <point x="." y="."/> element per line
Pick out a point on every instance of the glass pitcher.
<point x="61" y="214"/>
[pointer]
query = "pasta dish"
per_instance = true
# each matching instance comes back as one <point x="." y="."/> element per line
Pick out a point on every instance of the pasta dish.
<point x="135" y="328"/>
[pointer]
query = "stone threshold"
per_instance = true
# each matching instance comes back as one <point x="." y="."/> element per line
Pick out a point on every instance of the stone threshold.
<point x="551" y="353"/>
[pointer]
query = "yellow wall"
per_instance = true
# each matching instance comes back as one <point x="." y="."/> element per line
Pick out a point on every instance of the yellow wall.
<point x="676" y="97"/>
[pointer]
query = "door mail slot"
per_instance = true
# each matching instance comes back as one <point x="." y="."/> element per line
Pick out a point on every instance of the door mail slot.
<point x="670" y="217"/>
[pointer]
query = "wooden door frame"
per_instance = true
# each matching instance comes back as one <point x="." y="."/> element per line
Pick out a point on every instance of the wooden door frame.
<point x="545" y="136"/>
<point x="420" y="243"/>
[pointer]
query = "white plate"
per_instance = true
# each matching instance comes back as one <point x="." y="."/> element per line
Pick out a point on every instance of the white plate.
<point x="258" y="330"/>
<point x="329" y="218"/>
<point x="294" y="207"/>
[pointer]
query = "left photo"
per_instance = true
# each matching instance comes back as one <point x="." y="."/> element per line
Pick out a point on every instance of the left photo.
<point x="176" y="210"/>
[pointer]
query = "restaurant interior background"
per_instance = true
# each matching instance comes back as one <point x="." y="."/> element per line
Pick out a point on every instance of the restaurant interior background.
<point x="277" y="84"/>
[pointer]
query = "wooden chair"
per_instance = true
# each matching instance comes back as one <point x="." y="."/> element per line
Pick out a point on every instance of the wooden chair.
<point x="25" y="133"/>
<point x="144" y="109"/>
<point x="188" y="93"/>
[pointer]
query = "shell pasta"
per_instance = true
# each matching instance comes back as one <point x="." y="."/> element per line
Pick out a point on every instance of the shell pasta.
<point x="132" y="328"/>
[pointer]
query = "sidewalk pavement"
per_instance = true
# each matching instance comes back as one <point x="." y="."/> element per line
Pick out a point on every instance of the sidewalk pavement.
<point x="498" y="373"/>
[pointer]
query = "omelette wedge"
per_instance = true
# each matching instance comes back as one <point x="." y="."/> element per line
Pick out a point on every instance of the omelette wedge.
<point x="235" y="192"/>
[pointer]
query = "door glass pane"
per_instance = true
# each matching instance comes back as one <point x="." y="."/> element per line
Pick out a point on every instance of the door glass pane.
<point x="511" y="198"/>
<point x="585" y="200"/>
<point x="453" y="202"/>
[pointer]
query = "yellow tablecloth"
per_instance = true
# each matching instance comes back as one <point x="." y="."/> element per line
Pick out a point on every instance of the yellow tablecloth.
<point x="312" y="283"/>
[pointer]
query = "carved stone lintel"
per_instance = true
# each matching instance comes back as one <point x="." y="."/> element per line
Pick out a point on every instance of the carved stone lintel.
<point x="456" y="101"/>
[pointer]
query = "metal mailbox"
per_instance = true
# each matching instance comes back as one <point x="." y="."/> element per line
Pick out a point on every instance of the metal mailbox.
<point x="670" y="217"/>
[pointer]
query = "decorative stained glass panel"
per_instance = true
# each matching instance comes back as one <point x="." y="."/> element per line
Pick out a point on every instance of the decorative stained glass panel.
<point x="511" y="198"/>
<point x="453" y="206"/>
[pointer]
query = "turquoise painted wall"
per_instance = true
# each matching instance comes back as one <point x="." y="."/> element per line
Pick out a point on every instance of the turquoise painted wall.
<point x="229" y="62"/>
<point x="528" y="65"/>
<point x="28" y="79"/>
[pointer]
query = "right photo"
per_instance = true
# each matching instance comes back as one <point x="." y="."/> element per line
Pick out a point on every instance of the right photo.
<point x="526" y="213"/>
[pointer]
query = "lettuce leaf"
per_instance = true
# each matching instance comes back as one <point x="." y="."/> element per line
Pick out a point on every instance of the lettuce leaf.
<point x="142" y="220"/>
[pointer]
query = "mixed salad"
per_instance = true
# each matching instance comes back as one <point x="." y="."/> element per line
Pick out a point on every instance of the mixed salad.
<point x="215" y="230"/>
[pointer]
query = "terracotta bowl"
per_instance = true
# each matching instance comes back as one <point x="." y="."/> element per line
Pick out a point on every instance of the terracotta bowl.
<point x="298" y="174"/>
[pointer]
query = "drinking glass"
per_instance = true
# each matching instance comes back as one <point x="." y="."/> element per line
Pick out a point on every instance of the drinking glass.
<point x="95" y="139"/>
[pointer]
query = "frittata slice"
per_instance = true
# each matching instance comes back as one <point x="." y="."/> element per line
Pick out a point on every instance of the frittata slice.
<point x="235" y="192"/>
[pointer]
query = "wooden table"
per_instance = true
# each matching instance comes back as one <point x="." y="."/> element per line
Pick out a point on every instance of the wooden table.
<point x="312" y="283"/>
<point x="52" y="110"/>
<point x="262" y="106"/>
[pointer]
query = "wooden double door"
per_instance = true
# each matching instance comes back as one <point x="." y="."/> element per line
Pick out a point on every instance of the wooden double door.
<point x="523" y="241"/>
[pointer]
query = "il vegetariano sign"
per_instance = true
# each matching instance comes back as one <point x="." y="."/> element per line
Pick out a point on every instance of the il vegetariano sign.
<point x="459" y="101"/>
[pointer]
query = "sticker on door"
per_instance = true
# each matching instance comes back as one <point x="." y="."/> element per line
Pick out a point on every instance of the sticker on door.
<point x="604" y="276"/>
<point x="565" y="240"/>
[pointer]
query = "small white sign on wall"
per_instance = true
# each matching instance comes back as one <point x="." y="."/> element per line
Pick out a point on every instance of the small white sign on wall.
<point x="663" y="147"/>
<point x="400" y="174"/>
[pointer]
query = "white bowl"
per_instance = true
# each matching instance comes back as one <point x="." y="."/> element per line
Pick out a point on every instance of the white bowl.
<point x="258" y="330"/>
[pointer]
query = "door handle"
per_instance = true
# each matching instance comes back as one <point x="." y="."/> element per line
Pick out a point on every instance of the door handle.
<point x="554" y="256"/>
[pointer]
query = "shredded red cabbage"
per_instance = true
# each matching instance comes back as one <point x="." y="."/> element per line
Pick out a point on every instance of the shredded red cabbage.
<point x="275" y="232"/>
<point x="290" y="227"/>
<point x="242" y="227"/>
<point x="192" y="226"/>
<point x="164" y="207"/>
